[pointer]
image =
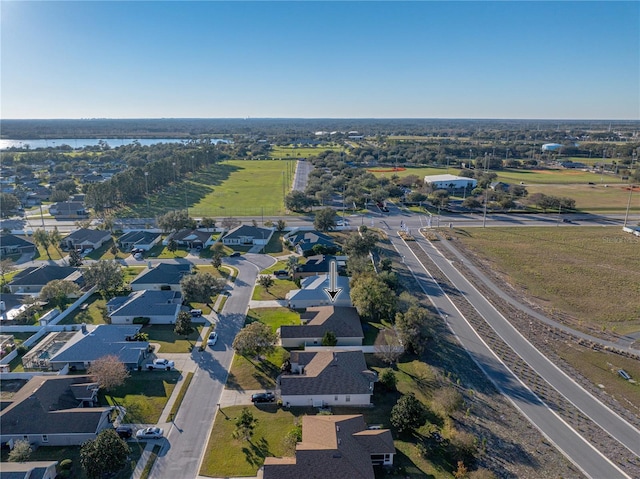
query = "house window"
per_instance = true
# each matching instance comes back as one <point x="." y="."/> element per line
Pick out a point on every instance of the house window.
<point x="335" y="398"/>
<point x="347" y="398"/>
<point x="45" y="438"/>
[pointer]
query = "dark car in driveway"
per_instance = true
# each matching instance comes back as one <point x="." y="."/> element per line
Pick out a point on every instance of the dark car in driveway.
<point x="263" y="397"/>
<point x="125" y="432"/>
<point x="234" y="255"/>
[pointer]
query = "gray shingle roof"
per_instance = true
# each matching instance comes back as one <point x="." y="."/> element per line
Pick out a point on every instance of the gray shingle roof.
<point x="306" y="240"/>
<point x="105" y="339"/>
<point x="47" y="405"/>
<point x="344" y="322"/>
<point x="85" y="234"/>
<point x="248" y="231"/>
<point x="13" y="240"/>
<point x="146" y="302"/>
<point x="163" y="273"/>
<point x="42" y="275"/>
<point x="191" y="235"/>
<point x="328" y="372"/>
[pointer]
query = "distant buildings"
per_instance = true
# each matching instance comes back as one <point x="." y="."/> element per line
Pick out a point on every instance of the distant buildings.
<point x="450" y="182"/>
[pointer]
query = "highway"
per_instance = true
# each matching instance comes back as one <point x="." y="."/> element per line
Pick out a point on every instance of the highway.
<point x="577" y="449"/>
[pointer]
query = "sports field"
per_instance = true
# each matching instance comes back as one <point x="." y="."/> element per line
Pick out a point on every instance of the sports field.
<point x="594" y="198"/>
<point x="560" y="176"/>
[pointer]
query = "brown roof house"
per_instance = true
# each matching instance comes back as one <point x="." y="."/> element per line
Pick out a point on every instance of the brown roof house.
<point x="343" y="322"/>
<point x="336" y="447"/>
<point x="55" y="411"/>
<point x="331" y="377"/>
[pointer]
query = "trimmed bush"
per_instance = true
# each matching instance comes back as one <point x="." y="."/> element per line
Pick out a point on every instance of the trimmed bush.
<point x="141" y="320"/>
<point x="66" y="464"/>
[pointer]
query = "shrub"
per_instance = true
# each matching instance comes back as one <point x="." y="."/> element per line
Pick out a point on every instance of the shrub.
<point x="22" y="349"/>
<point x="141" y="320"/>
<point x="66" y="464"/>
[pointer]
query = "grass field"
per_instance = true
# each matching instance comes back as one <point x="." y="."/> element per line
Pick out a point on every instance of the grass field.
<point x="94" y="313"/>
<point x="249" y="373"/>
<point x="274" y="317"/>
<point x="144" y="395"/>
<point x="592" y="273"/>
<point x="560" y="176"/>
<point x="301" y="151"/>
<point x="169" y="341"/>
<point x="593" y="198"/>
<point x="278" y="291"/>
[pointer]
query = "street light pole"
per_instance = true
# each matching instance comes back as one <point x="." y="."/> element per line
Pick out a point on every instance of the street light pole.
<point x="626" y="215"/>
<point x="146" y="184"/>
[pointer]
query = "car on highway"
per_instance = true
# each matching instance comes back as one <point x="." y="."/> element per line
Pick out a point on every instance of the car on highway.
<point x="213" y="339"/>
<point x="235" y="254"/>
<point x="161" y="364"/>
<point x="150" y="433"/>
<point x="263" y="397"/>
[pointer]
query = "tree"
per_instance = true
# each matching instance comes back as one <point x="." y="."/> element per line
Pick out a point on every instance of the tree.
<point x="208" y="223"/>
<point x="360" y="244"/>
<point x="461" y="472"/>
<point x="216" y="261"/>
<point x="387" y="346"/>
<point x="57" y="292"/>
<point x="372" y="297"/>
<point x="329" y="339"/>
<point x="388" y="379"/>
<point x="172" y="246"/>
<point x="291" y="439"/>
<point x="21" y="451"/>
<point x="6" y="266"/>
<point x="75" y="259"/>
<point x="440" y="198"/>
<point x="255" y="339"/>
<point x="266" y="282"/>
<point x="41" y="238"/>
<point x="114" y="249"/>
<point x="105" y="275"/>
<point x="108" y="371"/>
<point x="104" y="455"/>
<point x="229" y="223"/>
<point x="183" y="324"/>
<point x="281" y="225"/>
<point x="175" y="221"/>
<point x="412" y="328"/>
<point x="325" y="219"/>
<point x="292" y="265"/>
<point x="297" y="201"/>
<point x="245" y="424"/>
<point x="200" y="287"/>
<point x="8" y="204"/>
<point x="408" y="414"/>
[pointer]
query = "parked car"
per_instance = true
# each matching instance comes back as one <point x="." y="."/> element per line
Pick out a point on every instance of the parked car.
<point x="213" y="339"/>
<point x="196" y="313"/>
<point x="280" y="272"/>
<point x="624" y="375"/>
<point x="235" y="254"/>
<point x="263" y="397"/>
<point x="161" y="364"/>
<point x="150" y="433"/>
<point x="125" y="432"/>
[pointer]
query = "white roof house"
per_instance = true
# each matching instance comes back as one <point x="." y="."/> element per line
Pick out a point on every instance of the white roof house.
<point x="450" y="182"/>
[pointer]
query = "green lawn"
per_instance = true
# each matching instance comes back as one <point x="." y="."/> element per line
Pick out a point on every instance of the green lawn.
<point x="53" y="453"/>
<point x="160" y="251"/>
<point x="278" y="291"/>
<point x="226" y="456"/>
<point x="104" y="252"/>
<point x="560" y="176"/>
<point x="274" y="317"/>
<point x="94" y="313"/>
<point x="275" y="267"/>
<point x="249" y="373"/>
<point x="169" y="341"/>
<point x="144" y="395"/>
<point x="546" y="263"/>
<point x="287" y="152"/>
<point x="131" y="273"/>
<point x="275" y="246"/>
<point x="54" y="253"/>
<point x="593" y="198"/>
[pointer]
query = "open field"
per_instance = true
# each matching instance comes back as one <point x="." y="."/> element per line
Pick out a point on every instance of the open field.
<point x="278" y="291"/>
<point x="591" y="273"/>
<point x="593" y="198"/>
<point x="421" y="172"/>
<point x="560" y="176"/>
<point x="287" y="152"/>
<point x="274" y="317"/>
<point x="94" y="313"/>
<point x="249" y="373"/>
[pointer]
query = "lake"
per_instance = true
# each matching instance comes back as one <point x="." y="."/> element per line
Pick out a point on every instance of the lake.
<point x="77" y="143"/>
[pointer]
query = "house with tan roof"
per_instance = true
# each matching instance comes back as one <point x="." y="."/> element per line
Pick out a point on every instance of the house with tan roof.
<point x="336" y="447"/>
<point x="343" y="322"/>
<point x="330" y="377"/>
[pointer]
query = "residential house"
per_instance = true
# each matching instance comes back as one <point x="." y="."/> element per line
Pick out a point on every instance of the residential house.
<point x="78" y="349"/>
<point x="247" y="235"/>
<point x="499" y="186"/>
<point x="31" y="280"/>
<point x="343" y="322"/>
<point x="304" y="241"/>
<point x="69" y="210"/>
<point x="55" y="411"/>
<point x="29" y="470"/>
<point x="163" y="276"/>
<point x="138" y="240"/>
<point x="11" y="305"/>
<point x="319" y="264"/>
<point x="84" y="238"/>
<point x="330" y="377"/>
<point x="12" y="244"/>
<point x="93" y="178"/>
<point x="191" y="238"/>
<point x="313" y="293"/>
<point x="161" y="307"/>
<point x="336" y="447"/>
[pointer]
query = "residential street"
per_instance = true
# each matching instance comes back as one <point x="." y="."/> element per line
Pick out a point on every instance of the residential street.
<point x="188" y="435"/>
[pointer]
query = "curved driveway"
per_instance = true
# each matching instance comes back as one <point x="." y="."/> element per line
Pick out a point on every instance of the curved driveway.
<point x="573" y="446"/>
<point x="188" y="436"/>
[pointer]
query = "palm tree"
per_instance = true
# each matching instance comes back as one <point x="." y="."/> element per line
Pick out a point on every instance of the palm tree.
<point x="55" y="237"/>
<point x="41" y="238"/>
<point x="292" y="264"/>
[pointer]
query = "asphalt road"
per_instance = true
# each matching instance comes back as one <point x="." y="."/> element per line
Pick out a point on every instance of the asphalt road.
<point x="187" y="438"/>
<point x="581" y="453"/>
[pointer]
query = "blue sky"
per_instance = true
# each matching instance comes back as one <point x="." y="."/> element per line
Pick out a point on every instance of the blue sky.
<point x="205" y="59"/>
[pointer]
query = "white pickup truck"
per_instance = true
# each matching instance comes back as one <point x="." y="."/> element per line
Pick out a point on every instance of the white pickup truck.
<point x="161" y="364"/>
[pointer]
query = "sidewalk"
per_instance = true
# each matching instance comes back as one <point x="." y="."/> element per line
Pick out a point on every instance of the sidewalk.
<point x="276" y="303"/>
